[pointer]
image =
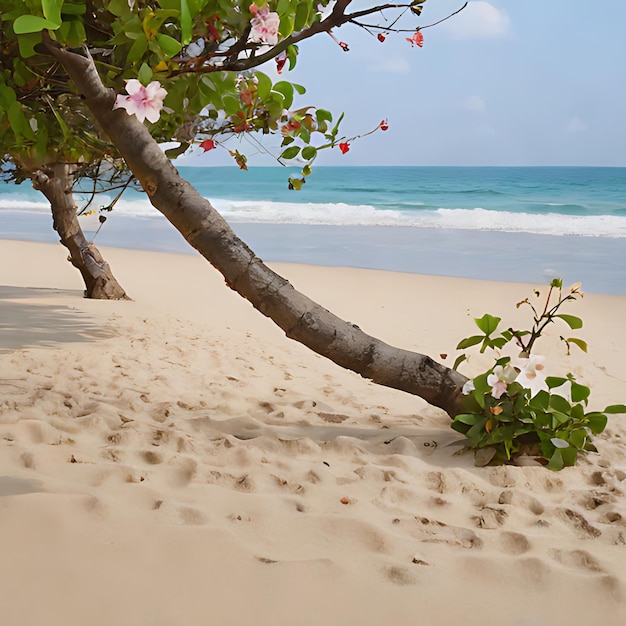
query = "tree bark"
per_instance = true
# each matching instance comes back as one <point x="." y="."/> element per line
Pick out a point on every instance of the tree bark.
<point x="56" y="185"/>
<point x="204" y="228"/>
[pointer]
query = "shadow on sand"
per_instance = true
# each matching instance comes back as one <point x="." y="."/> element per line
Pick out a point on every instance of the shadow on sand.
<point x="26" y="321"/>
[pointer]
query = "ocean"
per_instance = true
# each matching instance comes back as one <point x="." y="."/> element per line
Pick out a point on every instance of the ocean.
<point x="525" y="224"/>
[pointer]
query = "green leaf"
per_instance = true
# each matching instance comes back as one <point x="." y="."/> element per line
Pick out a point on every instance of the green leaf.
<point x="73" y="9"/>
<point x="144" y="74"/>
<point x="302" y="14"/>
<point x="72" y="33"/>
<point x="468" y="342"/>
<point x="33" y="24"/>
<point x="309" y="153"/>
<point x="459" y="360"/>
<point x="185" y="22"/>
<point x="322" y="115"/>
<point x="292" y="55"/>
<point x="569" y="456"/>
<point x="555" y="381"/>
<point x="290" y="153"/>
<point x="487" y="323"/>
<point x="466" y="418"/>
<point x="169" y="45"/>
<point x="27" y="44"/>
<point x="579" y="392"/>
<point x="296" y="183"/>
<point x="556" y="462"/>
<point x="173" y="153"/>
<point x="559" y="403"/>
<point x="578" y="342"/>
<point x="498" y="342"/>
<point x="138" y="49"/>
<point x="286" y="89"/>
<point x="597" y="422"/>
<point x="19" y="123"/>
<point x="231" y="104"/>
<point x="52" y="10"/>
<point x="118" y="7"/>
<point x="615" y="408"/>
<point x="578" y="438"/>
<point x="571" y="320"/>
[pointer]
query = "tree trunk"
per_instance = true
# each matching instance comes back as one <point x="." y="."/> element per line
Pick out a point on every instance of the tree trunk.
<point x="206" y="230"/>
<point x="56" y="185"/>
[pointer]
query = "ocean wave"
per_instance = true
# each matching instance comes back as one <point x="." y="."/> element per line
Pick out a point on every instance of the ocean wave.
<point x="20" y="204"/>
<point x="557" y="224"/>
<point x="341" y="214"/>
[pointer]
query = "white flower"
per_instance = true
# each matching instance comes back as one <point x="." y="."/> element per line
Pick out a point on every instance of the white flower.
<point x="500" y="379"/>
<point x="468" y="387"/>
<point x="143" y="102"/>
<point x="265" y="25"/>
<point x="532" y="375"/>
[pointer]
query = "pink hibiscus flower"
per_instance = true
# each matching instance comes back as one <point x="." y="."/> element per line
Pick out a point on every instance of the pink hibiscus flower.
<point x="143" y="102"/>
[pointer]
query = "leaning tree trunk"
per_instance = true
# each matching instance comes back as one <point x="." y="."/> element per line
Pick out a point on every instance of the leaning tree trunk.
<point x="56" y="184"/>
<point x="206" y="230"/>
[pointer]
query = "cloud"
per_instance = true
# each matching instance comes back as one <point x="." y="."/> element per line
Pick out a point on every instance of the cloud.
<point x="391" y="65"/>
<point x="474" y="103"/>
<point x="479" y="20"/>
<point x="576" y="125"/>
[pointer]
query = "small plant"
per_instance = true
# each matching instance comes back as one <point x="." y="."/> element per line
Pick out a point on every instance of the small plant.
<point x="514" y="409"/>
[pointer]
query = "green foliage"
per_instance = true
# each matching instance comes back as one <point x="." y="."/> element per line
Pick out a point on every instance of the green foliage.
<point x="216" y="92"/>
<point x="199" y="51"/>
<point x="513" y="410"/>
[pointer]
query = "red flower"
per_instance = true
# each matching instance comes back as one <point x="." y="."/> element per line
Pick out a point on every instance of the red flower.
<point x="208" y="144"/>
<point x="344" y="46"/>
<point x="417" y="39"/>
<point x="214" y="34"/>
<point x="281" y="59"/>
<point x="384" y="125"/>
<point x="344" y="147"/>
<point x="381" y="37"/>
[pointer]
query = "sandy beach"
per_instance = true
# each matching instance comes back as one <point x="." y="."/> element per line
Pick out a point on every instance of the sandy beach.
<point x="176" y="460"/>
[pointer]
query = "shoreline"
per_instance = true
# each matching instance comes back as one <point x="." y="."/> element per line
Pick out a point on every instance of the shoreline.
<point x="599" y="263"/>
<point x="178" y="454"/>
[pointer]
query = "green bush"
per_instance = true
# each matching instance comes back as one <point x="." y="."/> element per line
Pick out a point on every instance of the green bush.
<point x="514" y="409"/>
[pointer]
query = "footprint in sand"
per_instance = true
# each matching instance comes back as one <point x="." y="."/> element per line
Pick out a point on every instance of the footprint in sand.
<point x="579" y="560"/>
<point x="514" y="543"/>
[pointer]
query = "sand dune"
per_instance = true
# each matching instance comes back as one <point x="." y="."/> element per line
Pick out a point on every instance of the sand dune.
<point x="176" y="460"/>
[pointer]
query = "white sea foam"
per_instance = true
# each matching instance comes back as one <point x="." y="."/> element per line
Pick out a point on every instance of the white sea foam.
<point x="16" y="204"/>
<point x="340" y="214"/>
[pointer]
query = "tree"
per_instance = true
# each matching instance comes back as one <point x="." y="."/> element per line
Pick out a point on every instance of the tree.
<point x="47" y="138"/>
<point x="205" y="54"/>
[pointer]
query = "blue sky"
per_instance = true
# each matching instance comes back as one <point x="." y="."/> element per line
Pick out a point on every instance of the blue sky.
<point x="522" y="82"/>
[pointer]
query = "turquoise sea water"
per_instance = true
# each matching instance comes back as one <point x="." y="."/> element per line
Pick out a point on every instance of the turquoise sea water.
<point x="505" y="223"/>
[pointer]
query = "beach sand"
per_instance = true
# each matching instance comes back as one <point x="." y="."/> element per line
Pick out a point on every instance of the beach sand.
<point x="176" y="460"/>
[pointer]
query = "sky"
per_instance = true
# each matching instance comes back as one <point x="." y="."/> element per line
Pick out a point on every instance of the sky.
<point x="517" y="82"/>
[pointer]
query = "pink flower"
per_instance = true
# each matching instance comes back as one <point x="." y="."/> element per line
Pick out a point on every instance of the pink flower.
<point x="265" y="25"/>
<point x="344" y="147"/>
<point x="500" y="379"/>
<point x="143" y="102"/>
<point x="417" y="39"/>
